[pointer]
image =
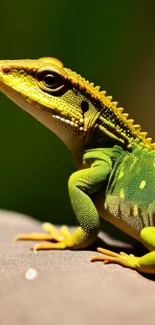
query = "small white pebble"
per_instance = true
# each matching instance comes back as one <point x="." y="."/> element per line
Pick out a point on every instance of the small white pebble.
<point x="31" y="274"/>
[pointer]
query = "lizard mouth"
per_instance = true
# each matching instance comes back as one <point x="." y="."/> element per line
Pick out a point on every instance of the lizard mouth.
<point x="79" y="124"/>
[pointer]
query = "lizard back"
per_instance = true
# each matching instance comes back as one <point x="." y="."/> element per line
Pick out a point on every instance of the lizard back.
<point x="130" y="194"/>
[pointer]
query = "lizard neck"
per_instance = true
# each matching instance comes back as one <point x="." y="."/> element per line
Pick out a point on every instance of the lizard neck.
<point x="109" y="129"/>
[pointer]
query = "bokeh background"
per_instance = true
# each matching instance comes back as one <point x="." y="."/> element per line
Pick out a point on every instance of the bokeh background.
<point x="109" y="42"/>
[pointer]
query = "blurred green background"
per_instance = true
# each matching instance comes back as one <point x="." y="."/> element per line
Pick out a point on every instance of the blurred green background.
<point x="109" y="42"/>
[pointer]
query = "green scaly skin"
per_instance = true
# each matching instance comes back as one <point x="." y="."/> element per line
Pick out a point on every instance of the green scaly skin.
<point x="115" y="179"/>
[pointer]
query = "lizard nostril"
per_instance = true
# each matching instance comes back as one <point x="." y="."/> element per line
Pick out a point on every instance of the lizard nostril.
<point x="6" y="68"/>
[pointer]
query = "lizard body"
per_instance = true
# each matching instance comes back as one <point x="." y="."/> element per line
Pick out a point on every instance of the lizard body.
<point x="115" y="160"/>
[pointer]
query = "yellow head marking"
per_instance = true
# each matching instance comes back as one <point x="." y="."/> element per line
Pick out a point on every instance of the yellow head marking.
<point x="52" y="61"/>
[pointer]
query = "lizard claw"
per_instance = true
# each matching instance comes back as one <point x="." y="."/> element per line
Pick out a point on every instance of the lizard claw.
<point x="53" y="238"/>
<point x="122" y="258"/>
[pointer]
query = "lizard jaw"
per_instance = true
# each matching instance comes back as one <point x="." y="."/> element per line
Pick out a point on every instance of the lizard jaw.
<point x="67" y="130"/>
<point x="74" y="123"/>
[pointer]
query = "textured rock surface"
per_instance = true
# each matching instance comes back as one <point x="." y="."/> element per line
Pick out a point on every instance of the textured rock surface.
<point x="68" y="288"/>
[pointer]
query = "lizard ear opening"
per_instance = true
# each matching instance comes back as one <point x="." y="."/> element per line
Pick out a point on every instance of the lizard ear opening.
<point x="84" y="106"/>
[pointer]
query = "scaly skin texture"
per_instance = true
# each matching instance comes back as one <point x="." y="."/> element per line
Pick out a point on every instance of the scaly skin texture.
<point x="115" y="160"/>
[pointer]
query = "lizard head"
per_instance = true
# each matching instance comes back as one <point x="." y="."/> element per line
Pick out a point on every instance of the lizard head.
<point x="56" y="96"/>
<point x="68" y="104"/>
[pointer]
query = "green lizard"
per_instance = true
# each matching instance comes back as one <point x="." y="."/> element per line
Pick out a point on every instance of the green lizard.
<point x="115" y="160"/>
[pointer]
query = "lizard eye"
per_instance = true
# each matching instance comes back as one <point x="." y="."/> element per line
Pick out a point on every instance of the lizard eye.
<point x="52" y="82"/>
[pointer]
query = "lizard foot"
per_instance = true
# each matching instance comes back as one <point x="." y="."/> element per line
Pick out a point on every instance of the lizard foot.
<point x="122" y="258"/>
<point x="55" y="239"/>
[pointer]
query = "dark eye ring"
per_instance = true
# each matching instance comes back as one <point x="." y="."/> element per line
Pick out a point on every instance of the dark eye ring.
<point x="52" y="82"/>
